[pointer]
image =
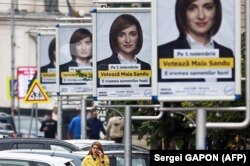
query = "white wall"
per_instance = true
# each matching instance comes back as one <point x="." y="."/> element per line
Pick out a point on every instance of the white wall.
<point x="25" y="50"/>
<point x="5" y="60"/>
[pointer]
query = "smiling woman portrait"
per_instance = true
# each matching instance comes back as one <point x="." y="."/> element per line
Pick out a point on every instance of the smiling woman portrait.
<point x="80" y="47"/>
<point x="51" y="67"/>
<point x="52" y="57"/>
<point x="198" y="22"/>
<point x="126" y="40"/>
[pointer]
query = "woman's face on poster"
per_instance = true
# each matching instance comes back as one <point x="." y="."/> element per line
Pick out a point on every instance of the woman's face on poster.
<point x="54" y="54"/>
<point x="127" y="40"/>
<point x="83" y="48"/>
<point x="200" y="17"/>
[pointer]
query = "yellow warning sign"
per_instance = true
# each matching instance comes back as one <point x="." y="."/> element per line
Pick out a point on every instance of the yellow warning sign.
<point x="36" y="94"/>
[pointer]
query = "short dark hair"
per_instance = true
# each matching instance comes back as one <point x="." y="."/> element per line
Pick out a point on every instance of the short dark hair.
<point x="78" y="35"/>
<point x="52" y="48"/>
<point x="120" y="23"/>
<point x="181" y="19"/>
<point x="49" y="113"/>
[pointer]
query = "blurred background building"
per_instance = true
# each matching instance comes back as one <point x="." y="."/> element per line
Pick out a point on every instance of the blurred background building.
<point x="29" y="15"/>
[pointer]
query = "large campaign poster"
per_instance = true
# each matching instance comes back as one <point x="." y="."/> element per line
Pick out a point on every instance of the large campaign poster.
<point x="74" y="43"/>
<point x="198" y="49"/>
<point x="47" y="60"/>
<point x="122" y="54"/>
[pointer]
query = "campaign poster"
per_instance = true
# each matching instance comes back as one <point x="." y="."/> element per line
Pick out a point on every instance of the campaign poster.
<point x="198" y="49"/>
<point x="47" y="61"/>
<point x="122" y="54"/>
<point x="10" y="92"/>
<point x="74" y="43"/>
<point x="25" y="75"/>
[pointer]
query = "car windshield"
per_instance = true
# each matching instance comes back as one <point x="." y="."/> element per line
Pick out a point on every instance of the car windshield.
<point x="4" y="162"/>
<point x="5" y="127"/>
<point x="112" y="147"/>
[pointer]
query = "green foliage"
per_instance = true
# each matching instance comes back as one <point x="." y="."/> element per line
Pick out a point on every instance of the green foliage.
<point x="85" y="76"/>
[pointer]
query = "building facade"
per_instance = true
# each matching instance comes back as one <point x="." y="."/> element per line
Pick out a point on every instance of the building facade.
<point x="30" y="15"/>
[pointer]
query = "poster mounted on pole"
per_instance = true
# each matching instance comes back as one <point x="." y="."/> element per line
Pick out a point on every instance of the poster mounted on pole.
<point x="74" y="54"/>
<point x="25" y="74"/>
<point x="47" y="60"/>
<point x="198" y="50"/>
<point x="122" y="54"/>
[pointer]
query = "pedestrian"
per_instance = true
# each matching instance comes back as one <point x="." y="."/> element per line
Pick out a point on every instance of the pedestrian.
<point x="94" y="127"/>
<point x="115" y="129"/>
<point x="96" y="156"/>
<point x="74" y="130"/>
<point x="49" y="126"/>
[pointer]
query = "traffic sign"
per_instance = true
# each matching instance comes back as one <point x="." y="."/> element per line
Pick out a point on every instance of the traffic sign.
<point x="36" y="94"/>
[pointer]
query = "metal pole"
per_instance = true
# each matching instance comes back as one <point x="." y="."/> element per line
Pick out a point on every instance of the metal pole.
<point x="36" y="118"/>
<point x="128" y="138"/>
<point x="31" y="119"/>
<point x="200" y="129"/>
<point x="247" y="62"/>
<point x="19" y="120"/>
<point x="83" y="119"/>
<point x="136" y="106"/>
<point x="59" y="119"/>
<point x="12" y="57"/>
<point x="159" y="116"/>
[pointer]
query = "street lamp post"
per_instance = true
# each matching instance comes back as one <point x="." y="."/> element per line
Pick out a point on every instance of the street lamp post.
<point x="12" y="57"/>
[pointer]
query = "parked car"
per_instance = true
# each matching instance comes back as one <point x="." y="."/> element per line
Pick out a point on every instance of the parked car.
<point x="7" y="119"/>
<point x="87" y="142"/>
<point x="138" y="158"/>
<point x="28" y="127"/>
<point x="6" y="131"/>
<point x="107" y="145"/>
<point x="76" y="159"/>
<point x="6" y="126"/>
<point x="37" y="143"/>
<point x="116" y="158"/>
<point x="7" y="134"/>
<point x="22" y="159"/>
